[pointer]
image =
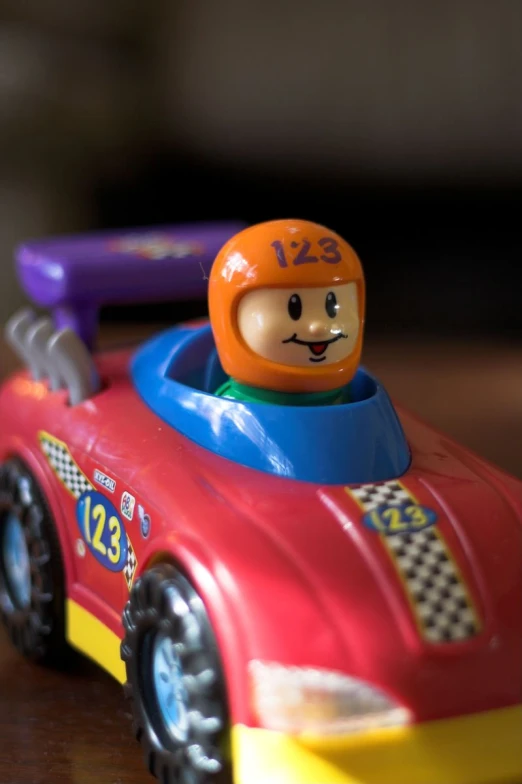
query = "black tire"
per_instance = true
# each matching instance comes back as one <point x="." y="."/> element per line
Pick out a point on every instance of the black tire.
<point x="36" y="626"/>
<point x="163" y="606"/>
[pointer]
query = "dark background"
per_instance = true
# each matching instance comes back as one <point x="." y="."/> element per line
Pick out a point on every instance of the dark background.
<point x="440" y="260"/>
<point x="399" y="125"/>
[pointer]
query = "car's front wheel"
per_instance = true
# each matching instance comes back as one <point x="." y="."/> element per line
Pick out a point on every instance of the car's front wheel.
<point x="175" y="680"/>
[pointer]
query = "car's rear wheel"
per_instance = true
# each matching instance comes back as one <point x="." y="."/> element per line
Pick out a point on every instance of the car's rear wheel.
<point x="175" y="680"/>
<point x="31" y="570"/>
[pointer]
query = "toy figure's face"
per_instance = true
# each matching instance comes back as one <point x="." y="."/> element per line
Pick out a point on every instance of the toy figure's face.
<point x="301" y="327"/>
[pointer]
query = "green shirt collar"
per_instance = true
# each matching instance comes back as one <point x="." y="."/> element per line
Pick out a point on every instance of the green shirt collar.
<point x="249" y="394"/>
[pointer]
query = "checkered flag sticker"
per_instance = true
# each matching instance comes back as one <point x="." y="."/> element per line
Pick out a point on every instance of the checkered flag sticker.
<point x="372" y="496"/>
<point x="74" y="480"/>
<point x="129" y="570"/>
<point x="436" y="590"/>
<point x="64" y="466"/>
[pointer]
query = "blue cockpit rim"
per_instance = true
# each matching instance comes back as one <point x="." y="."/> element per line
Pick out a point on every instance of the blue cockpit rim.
<point x="362" y="441"/>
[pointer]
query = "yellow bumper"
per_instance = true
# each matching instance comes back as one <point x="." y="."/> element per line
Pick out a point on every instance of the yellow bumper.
<point x="484" y="748"/>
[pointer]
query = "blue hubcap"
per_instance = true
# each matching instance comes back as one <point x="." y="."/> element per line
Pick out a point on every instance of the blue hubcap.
<point x="16" y="561"/>
<point x="171" y="694"/>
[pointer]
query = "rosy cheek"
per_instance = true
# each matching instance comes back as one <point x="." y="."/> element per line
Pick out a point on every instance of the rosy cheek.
<point x="351" y="323"/>
<point x="257" y="321"/>
<point x="275" y="327"/>
<point x="262" y="331"/>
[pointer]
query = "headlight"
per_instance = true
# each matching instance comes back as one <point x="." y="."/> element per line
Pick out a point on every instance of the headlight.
<point x="299" y="700"/>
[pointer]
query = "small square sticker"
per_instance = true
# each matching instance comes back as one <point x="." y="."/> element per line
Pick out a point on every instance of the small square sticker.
<point x="127" y="505"/>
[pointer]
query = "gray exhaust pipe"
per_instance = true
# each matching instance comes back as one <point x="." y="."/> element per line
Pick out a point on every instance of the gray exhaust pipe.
<point x="71" y="358"/>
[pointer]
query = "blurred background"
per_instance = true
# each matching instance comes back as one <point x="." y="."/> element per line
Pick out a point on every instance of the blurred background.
<point x="399" y="125"/>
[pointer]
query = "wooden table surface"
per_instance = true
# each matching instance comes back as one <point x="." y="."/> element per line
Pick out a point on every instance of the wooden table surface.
<point x="74" y="728"/>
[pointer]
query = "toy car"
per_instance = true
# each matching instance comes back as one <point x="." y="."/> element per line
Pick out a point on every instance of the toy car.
<point x="291" y="595"/>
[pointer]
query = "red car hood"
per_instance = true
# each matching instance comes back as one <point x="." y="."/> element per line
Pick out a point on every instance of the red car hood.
<point x="433" y="616"/>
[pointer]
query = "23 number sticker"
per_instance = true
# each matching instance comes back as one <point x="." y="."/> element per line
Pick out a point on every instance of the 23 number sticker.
<point x="406" y="518"/>
<point x="102" y="530"/>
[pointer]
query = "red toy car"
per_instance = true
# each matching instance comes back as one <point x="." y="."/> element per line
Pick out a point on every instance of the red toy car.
<point x="292" y="595"/>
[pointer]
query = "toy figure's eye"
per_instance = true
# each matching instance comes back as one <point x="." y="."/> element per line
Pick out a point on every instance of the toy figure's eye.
<point x="331" y="304"/>
<point x="295" y="307"/>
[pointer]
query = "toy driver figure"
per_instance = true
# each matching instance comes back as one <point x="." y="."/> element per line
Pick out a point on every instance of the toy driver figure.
<point x="286" y="302"/>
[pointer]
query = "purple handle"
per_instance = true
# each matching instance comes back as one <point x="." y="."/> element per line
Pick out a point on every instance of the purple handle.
<point x="74" y="276"/>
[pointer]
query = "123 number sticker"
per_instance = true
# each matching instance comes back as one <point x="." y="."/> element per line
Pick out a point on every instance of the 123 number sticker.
<point x="394" y="519"/>
<point x="102" y="530"/>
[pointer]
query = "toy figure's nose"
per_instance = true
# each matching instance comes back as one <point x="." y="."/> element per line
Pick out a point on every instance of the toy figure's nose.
<point x="317" y="328"/>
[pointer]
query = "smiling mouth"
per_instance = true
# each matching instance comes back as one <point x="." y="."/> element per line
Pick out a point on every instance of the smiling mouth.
<point x="317" y="348"/>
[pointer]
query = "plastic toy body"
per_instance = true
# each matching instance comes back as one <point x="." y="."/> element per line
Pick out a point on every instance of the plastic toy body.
<point x="366" y="626"/>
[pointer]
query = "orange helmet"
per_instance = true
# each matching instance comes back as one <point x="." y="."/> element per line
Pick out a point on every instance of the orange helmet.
<point x="280" y="254"/>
